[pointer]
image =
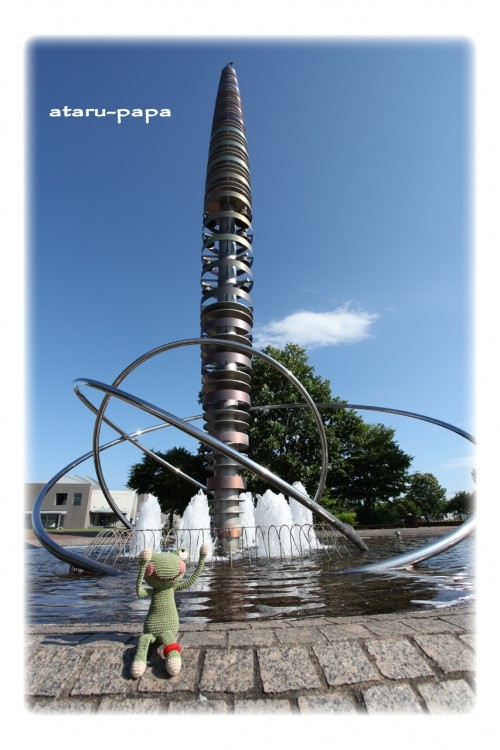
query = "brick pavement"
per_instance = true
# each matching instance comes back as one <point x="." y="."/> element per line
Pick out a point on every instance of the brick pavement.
<point x="413" y="662"/>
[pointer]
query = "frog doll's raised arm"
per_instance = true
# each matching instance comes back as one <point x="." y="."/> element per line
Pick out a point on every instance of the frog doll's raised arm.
<point x="163" y="572"/>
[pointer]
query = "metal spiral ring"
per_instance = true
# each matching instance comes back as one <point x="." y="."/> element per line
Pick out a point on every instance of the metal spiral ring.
<point x="170" y="420"/>
<point x="207" y="439"/>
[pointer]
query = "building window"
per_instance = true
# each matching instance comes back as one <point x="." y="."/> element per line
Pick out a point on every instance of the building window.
<point x="52" y="520"/>
<point x="61" y="498"/>
<point x="77" y="498"/>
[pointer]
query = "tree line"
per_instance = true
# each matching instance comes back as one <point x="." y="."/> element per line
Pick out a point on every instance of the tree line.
<point x="369" y="479"/>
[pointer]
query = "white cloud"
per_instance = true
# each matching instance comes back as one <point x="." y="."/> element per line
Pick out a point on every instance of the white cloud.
<point x="463" y="462"/>
<point x="316" y="329"/>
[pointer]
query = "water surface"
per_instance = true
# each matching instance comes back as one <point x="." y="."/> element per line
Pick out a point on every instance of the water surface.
<point x="225" y="593"/>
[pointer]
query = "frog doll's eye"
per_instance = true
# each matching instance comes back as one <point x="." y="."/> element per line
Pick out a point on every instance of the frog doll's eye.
<point x="183" y="553"/>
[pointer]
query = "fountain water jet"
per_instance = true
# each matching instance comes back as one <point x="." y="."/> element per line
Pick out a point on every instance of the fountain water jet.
<point x="303" y="531"/>
<point x="247" y="518"/>
<point x="273" y="528"/>
<point x="194" y="527"/>
<point x="272" y="513"/>
<point x="148" y="528"/>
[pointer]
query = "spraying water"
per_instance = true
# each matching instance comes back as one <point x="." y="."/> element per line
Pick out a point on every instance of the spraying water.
<point x="194" y="527"/>
<point x="148" y="528"/>
<point x="273" y="527"/>
<point x="303" y="532"/>
<point x="272" y="513"/>
<point x="247" y="518"/>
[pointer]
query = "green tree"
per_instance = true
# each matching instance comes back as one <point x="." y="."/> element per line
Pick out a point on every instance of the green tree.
<point x="461" y="504"/>
<point x="366" y="465"/>
<point x="428" y="496"/>
<point x="374" y="470"/>
<point x="286" y="440"/>
<point x="173" y="491"/>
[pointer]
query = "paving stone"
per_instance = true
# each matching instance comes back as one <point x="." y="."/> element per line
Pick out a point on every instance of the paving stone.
<point x="268" y="624"/>
<point x="383" y="617"/>
<point x="50" y="668"/>
<point x="192" y="627"/>
<point x="228" y="626"/>
<point x="288" y="668"/>
<point x="252" y="638"/>
<point x="347" y="620"/>
<point x="398" y="659"/>
<point x="301" y="636"/>
<point x="64" y="639"/>
<point x="469" y="639"/>
<point x="133" y="705"/>
<point x="92" y="664"/>
<point x="389" y="627"/>
<point x="391" y="699"/>
<point x="102" y="638"/>
<point x="228" y="670"/>
<point x="449" y="653"/>
<point x="307" y="622"/>
<point x="134" y="628"/>
<point x="203" y="638"/>
<point x="198" y="707"/>
<point x="345" y="663"/>
<point x="31" y="641"/>
<point x="107" y="670"/>
<point x="155" y="678"/>
<point x="419" y="613"/>
<point x="262" y="706"/>
<point x="344" y="631"/>
<point x="430" y="625"/>
<point x="452" y="696"/>
<point x="63" y="706"/>
<point x="464" y="621"/>
<point x="334" y="703"/>
<point x="88" y="628"/>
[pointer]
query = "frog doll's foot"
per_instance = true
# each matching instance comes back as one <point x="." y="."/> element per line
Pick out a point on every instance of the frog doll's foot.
<point x="173" y="664"/>
<point x="172" y="654"/>
<point x="138" y="669"/>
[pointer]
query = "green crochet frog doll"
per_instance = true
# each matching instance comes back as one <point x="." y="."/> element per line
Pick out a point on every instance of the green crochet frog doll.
<point x="163" y="571"/>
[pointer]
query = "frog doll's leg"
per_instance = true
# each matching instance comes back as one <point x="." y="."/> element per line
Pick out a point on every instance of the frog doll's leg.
<point x="141" y="655"/>
<point x="171" y="652"/>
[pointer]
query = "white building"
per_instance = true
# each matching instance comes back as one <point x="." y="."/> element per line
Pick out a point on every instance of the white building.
<point x="77" y="502"/>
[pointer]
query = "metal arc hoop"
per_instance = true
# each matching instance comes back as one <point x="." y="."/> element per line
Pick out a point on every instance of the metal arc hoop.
<point x="207" y="439"/>
<point x="433" y="548"/>
<point x="73" y="558"/>
<point x="63" y="554"/>
<point x="244" y="348"/>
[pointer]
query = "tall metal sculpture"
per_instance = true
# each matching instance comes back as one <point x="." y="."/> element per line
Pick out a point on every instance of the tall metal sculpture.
<point x="226" y="305"/>
<point x="226" y="351"/>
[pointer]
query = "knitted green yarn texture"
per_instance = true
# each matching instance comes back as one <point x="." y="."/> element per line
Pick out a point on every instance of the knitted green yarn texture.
<point x="163" y="573"/>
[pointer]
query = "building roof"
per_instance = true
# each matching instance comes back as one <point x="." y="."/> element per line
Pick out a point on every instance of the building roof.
<point x="77" y="479"/>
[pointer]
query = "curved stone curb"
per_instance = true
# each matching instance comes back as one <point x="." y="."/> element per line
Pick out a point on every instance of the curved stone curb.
<point x="412" y="662"/>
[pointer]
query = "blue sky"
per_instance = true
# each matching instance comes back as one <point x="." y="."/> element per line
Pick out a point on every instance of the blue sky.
<point x="361" y="165"/>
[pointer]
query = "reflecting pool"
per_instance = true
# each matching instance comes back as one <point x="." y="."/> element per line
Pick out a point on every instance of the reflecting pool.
<point x="223" y="593"/>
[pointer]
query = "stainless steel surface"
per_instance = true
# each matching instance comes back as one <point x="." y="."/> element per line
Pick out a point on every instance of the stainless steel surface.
<point x="226" y="311"/>
<point x="240" y="459"/>
<point x="423" y="553"/>
<point x="81" y="562"/>
<point x="434" y="548"/>
<point x="385" y="409"/>
<point x="238" y="347"/>
<point x="72" y="558"/>
<point x="75" y="559"/>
